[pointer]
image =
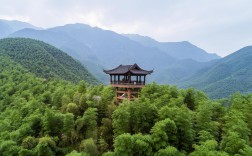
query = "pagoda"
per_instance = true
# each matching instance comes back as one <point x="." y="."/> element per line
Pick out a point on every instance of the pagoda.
<point x="127" y="80"/>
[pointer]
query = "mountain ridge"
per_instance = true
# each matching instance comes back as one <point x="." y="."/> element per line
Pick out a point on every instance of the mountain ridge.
<point x="179" y="50"/>
<point x="10" y="26"/>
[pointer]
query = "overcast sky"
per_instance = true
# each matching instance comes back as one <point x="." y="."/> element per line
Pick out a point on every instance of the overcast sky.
<point x="217" y="26"/>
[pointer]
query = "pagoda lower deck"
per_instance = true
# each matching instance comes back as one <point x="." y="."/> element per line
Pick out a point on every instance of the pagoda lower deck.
<point x="132" y="84"/>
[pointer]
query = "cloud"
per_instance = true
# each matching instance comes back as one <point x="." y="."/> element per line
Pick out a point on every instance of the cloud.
<point x="216" y="26"/>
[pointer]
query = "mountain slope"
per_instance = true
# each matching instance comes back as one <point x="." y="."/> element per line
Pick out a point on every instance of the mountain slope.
<point x="181" y="70"/>
<point x="230" y="74"/>
<point x="44" y="60"/>
<point x="179" y="50"/>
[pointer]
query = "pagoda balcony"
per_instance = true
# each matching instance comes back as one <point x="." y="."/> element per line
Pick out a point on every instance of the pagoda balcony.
<point x="131" y="84"/>
<point x="128" y="83"/>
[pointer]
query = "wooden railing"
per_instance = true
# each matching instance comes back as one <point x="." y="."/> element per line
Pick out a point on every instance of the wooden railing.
<point x="128" y="83"/>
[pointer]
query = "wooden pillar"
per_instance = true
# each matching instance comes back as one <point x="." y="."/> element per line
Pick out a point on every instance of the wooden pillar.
<point x="144" y="79"/>
<point x="116" y="94"/>
<point x="129" y="94"/>
<point x="137" y="78"/>
<point x="110" y="79"/>
<point x="118" y="79"/>
<point x="140" y="79"/>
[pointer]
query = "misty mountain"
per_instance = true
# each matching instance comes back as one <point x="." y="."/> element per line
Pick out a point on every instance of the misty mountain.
<point x="101" y="49"/>
<point x="7" y="27"/>
<point x="230" y="74"/>
<point x="114" y="49"/>
<point x="179" y="50"/>
<point x="118" y="49"/>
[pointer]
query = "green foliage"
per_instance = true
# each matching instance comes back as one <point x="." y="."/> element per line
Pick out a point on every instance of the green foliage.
<point x="29" y="142"/>
<point x="9" y="147"/>
<point x="55" y="117"/>
<point x="142" y="144"/>
<point x="75" y="153"/>
<point x="138" y="144"/>
<point x="89" y="147"/>
<point x="143" y="116"/>
<point x="53" y="123"/>
<point x="87" y="124"/>
<point x="164" y="133"/>
<point x="204" y="120"/>
<point x="72" y="108"/>
<point x="232" y="143"/>
<point x="32" y="120"/>
<point x="106" y="132"/>
<point x="190" y="99"/>
<point x="121" y="122"/>
<point x="82" y="87"/>
<point x="169" y="151"/>
<point x="46" y="146"/>
<point x="208" y="148"/>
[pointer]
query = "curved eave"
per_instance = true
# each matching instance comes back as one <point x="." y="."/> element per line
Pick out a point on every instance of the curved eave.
<point x="143" y="72"/>
<point x="113" y="73"/>
<point x="107" y="71"/>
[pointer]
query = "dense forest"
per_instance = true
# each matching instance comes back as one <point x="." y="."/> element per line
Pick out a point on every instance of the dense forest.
<point x="40" y="116"/>
<point x="45" y="60"/>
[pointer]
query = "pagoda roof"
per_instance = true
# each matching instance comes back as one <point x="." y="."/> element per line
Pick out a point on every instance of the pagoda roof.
<point x="124" y="69"/>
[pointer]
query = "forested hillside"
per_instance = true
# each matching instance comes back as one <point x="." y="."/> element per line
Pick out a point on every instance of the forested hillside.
<point x="230" y="74"/>
<point x="45" y="60"/>
<point x="55" y="117"/>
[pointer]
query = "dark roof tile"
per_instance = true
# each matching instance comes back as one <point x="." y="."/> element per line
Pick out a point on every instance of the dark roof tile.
<point x="133" y="69"/>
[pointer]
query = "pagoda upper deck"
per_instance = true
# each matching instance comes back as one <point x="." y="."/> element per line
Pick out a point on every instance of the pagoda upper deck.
<point x="128" y="75"/>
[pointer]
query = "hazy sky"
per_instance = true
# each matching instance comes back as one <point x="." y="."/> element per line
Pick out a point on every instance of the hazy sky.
<point x="217" y="26"/>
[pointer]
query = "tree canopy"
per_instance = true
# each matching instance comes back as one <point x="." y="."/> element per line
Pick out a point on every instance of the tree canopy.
<point x="56" y="117"/>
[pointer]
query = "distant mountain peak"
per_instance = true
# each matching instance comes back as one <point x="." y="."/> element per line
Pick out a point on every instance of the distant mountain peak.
<point x="10" y="26"/>
<point x="179" y="50"/>
<point x="77" y="25"/>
